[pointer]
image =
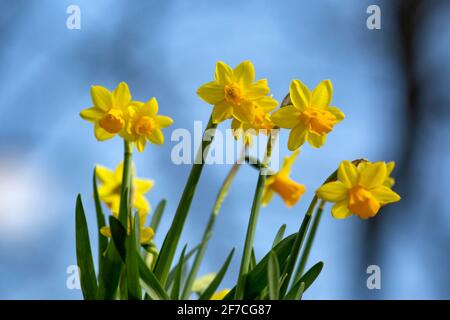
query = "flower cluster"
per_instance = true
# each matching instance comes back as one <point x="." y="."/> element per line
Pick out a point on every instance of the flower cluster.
<point x="115" y="113"/>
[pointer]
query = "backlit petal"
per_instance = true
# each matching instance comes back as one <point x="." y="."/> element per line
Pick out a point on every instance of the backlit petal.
<point x="321" y="95"/>
<point x="257" y="90"/>
<point x="337" y="113"/>
<point x="221" y="112"/>
<point x="101" y="97"/>
<point x="385" y="195"/>
<point x="286" y="117"/>
<point x="348" y="174"/>
<point x="211" y="92"/>
<point x="224" y="74"/>
<point x="92" y="114"/>
<point x="316" y="140"/>
<point x="103" y="174"/>
<point x="122" y="96"/>
<point x="334" y="191"/>
<point x="373" y="174"/>
<point x="297" y="137"/>
<point x="101" y="134"/>
<point x="340" y="210"/>
<point x="245" y="112"/>
<point x="164" y="121"/>
<point x="299" y="94"/>
<point x="244" y="73"/>
<point x="156" y="137"/>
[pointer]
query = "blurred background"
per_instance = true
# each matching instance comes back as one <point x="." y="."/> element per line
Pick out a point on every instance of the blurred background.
<point x="391" y="83"/>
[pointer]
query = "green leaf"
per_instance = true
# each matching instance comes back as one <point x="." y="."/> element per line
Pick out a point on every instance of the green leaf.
<point x="178" y="276"/>
<point x="257" y="279"/>
<point x="150" y="283"/>
<point x="110" y="273"/>
<point x="296" y="292"/>
<point x="273" y="276"/>
<point x="124" y="209"/>
<point x="172" y="238"/>
<point x="279" y="236"/>
<point x="157" y="215"/>
<point x="172" y="273"/>
<point x="252" y="260"/>
<point x="84" y="254"/>
<point x="311" y="275"/>
<point x="209" y="291"/>
<point x="102" y="240"/>
<point x="119" y="236"/>
<point x="132" y="243"/>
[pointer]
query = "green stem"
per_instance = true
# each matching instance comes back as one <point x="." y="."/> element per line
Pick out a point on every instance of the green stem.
<point x="309" y="242"/>
<point x="251" y="229"/>
<point x="223" y="192"/>
<point x="126" y="184"/>
<point x="289" y="269"/>
<point x="170" y="244"/>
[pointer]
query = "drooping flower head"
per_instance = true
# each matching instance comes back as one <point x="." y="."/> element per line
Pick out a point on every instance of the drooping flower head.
<point x="234" y="92"/>
<point x="360" y="189"/>
<point x="289" y="190"/>
<point x="109" y="112"/>
<point x="110" y="189"/>
<point x="145" y="124"/>
<point x="310" y="116"/>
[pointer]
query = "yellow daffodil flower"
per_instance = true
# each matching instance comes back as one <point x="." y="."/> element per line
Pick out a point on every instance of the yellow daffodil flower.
<point x="220" y="294"/>
<point x="111" y="185"/>
<point x="289" y="190"/>
<point x="109" y="111"/>
<point x="234" y="92"/>
<point x="145" y="124"/>
<point x="310" y="117"/>
<point x="146" y="233"/>
<point x="261" y="124"/>
<point x="360" y="190"/>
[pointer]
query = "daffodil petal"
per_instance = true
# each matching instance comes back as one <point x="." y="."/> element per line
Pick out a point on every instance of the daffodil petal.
<point x="268" y="104"/>
<point x="101" y="134"/>
<point x="257" y="90"/>
<point x="286" y="117"/>
<point x="141" y="204"/>
<point x="288" y="162"/>
<point x="299" y="94"/>
<point x="224" y="73"/>
<point x="140" y="144"/>
<point x="211" y="92"/>
<point x="122" y="96"/>
<point x="103" y="174"/>
<point x="316" y="140"/>
<point x="244" y="73"/>
<point x="390" y="167"/>
<point x="267" y="195"/>
<point x="143" y="185"/>
<point x="340" y="210"/>
<point x="334" y="191"/>
<point x="297" y="137"/>
<point x="373" y="174"/>
<point x="221" y="112"/>
<point x="348" y="174"/>
<point x="245" y="112"/>
<point x="337" y="113"/>
<point x="101" y="97"/>
<point x="150" y="108"/>
<point x="156" y="136"/>
<point x="164" y="121"/>
<point x="385" y="195"/>
<point x="147" y="234"/>
<point x="92" y="114"/>
<point x="106" y="231"/>
<point x="322" y="94"/>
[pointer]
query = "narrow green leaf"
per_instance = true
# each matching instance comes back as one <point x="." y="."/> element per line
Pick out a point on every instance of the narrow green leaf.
<point x="172" y="273"/>
<point x="311" y="275"/>
<point x="110" y="273"/>
<point x="279" y="236"/>
<point x="209" y="291"/>
<point x="178" y="276"/>
<point x="296" y="292"/>
<point x="102" y="240"/>
<point x="150" y="283"/>
<point x="172" y="238"/>
<point x="257" y="279"/>
<point x="119" y="236"/>
<point x="253" y="261"/>
<point x="133" y="288"/>
<point x="157" y="215"/>
<point x="273" y="276"/>
<point x="84" y="254"/>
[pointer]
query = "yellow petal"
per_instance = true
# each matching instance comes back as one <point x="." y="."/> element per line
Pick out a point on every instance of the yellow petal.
<point x="385" y="195"/>
<point x="257" y="90"/>
<point x="334" y="191"/>
<point x="348" y="174"/>
<point x="224" y="74"/>
<point x="105" y="231"/>
<point x="373" y="174"/>
<point x="267" y="195"/>
<point x="101" y="134"/>
<point x="337" y="113"/>
<point x="316" y="140"/>
<point x="150" y="108"/>
<point x="340" y="210"/>
<point x="268" y="104"/>
<point x="147" y="234"/>
<point x="101" y="97"/>
<point x="390" y="167"/>
<point x="321" y="95"/>
<point x="288" y="162"/>
<point x="221" y="112"/>
<point x="143" y="185"/>
<point x="211" y="92"/>
<point x="244" y="73"/>
<point x="164" y="121"/>
<point x="104" y="174"/>
<point x="122" y="96"/>
<point x="286" y="117"/>
<point x="92" y="114"/>
<point x="142" y="205"/>
<point x="156" y="136"/>
<point x="220" y="295"/>
<point x="140" y="144"/>
<point x="245" y="112"/>
<point x="299" y="94"/>
<point x="297" y="137"/>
